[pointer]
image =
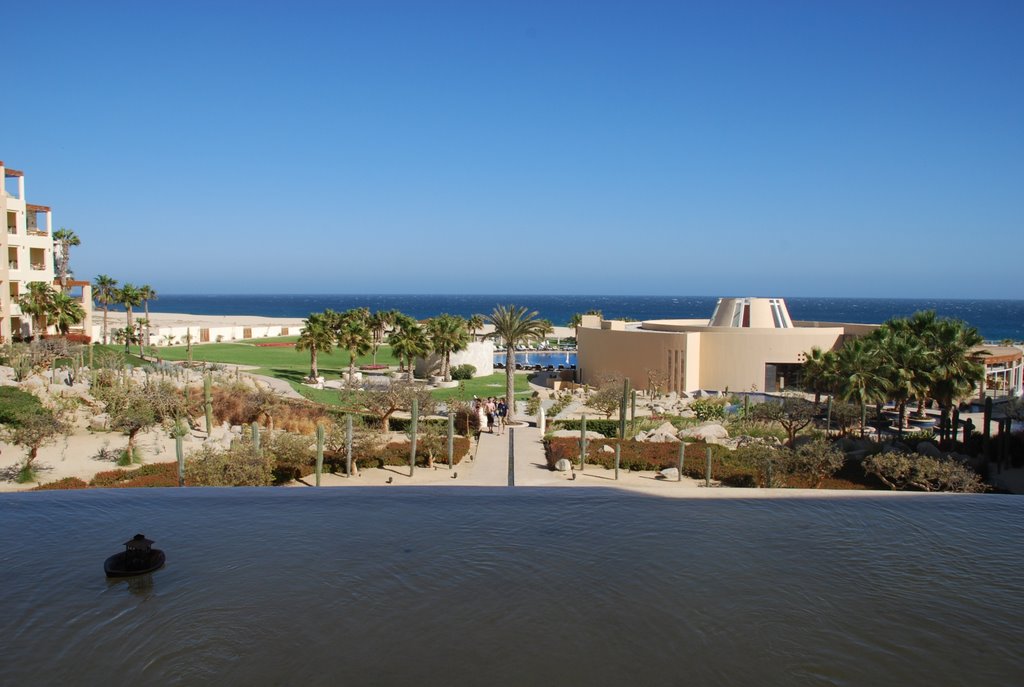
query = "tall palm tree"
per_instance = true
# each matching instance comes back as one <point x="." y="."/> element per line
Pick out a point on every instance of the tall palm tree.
<point x="819" y="372"/>
<point x="475" y="323"/>
<point x="65" y="238"/>
<point x="514" y="325"/>
<point x="316" y="337"/>
<point x="38" y="304"/>
<point x="576" y="320"/>
<point x="447" y="334"/>
<point x="147" y="293"/>
<point x="409" y="341"/>
<point x="130" y="297"/>
<point x="859" y="380"/>
<point x="379" y="322"/>
<point x="352" y="332"/>
<point x="66" y="312"/>
<point x="956" y="371"/>
<point x="104" y="289"/>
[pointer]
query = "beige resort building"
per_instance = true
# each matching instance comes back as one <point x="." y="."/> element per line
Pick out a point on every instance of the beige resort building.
<point x="749" y="344"/>
<point x="27" y="248"/>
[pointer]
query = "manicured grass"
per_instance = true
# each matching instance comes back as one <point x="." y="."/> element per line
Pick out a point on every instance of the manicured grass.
<point x="492" y="385"/>
<point x="283" y="362"/>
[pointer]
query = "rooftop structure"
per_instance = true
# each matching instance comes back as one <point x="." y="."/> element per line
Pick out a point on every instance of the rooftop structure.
<point x="748" y="344"/>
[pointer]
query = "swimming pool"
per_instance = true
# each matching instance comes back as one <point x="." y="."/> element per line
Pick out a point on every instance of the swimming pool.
<point x="542" y="358"/>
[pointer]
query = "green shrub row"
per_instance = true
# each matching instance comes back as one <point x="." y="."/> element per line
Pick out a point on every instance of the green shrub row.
<point x="16" y="404"/>
<point x="607" y="428"/>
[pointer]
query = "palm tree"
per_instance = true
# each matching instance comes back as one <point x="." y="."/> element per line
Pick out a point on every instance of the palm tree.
<point x="316" y="337"/>
<point x="514" y="325"/>
<point x="447" y="335"/>
<point x="352" y="332"/>
<point x="66" y="312"/>
<point x="576" y="320"/>
<point x="409" y="341"/>
<point x="379" y="322"/>
<point x="104" y="289"/>
<point x="38" y="303"/>
<point x="130" y="297"/>
<point x="65" y="238"/>
<point x="955" y="372"/>
<point x="147" y="293"/>
<point x="819" y="372"/>
<point x="857" y="373"/>
<point x="475" y="323"/>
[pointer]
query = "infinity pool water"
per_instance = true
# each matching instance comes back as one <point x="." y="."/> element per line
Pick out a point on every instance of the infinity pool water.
<point x="543" y="358"/>
<point x="467" y="586"/>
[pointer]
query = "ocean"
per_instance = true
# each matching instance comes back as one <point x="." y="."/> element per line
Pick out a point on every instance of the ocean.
<point x="995" y="319"/>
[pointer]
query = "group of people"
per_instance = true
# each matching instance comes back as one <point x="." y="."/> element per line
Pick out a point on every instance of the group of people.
<point x="491" y="413"/>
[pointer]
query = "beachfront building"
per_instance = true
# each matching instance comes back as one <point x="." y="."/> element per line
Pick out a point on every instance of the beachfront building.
<point x="748" y="344"/>
<point x="26" y="245"/>
<point x="1004" y="372"/>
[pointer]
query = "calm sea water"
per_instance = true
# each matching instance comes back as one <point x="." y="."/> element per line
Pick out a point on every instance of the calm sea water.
<point x="512" y="587"/>
<point x="995" y="319"/>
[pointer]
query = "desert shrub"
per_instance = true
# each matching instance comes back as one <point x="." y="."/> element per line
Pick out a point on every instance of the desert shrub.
<point x="608" y="428"/>
<point x="816" y="461"/>
<point x="397" y="453"/>
<point x="66" y="483"/>
<point x="461" y="372"/>
<point x="238" y="466"/>
<point x="705" y="409"/>
<point x="150" y="475"/>
<point x="16" y="404"/>
<point x="562" y="402"/>
<point x="922" y="473"/>
<point x="533" y="404"/>
<point x="294" y="455"/>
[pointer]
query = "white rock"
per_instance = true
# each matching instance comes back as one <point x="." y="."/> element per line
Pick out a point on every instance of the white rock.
<point x="607" y="449"/>
<point x="575" y="434"/>
<point x="706" y="432"/>
<point x="563" y="465"/>
<point x="670" y="473"/>
<point x="99" y="422"/>
<point x="665" y="428"/>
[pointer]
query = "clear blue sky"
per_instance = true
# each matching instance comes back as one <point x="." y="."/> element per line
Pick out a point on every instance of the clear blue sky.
<point x="792" y="148"/>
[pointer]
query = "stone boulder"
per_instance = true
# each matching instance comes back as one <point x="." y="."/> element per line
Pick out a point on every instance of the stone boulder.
<point x="665" y="428"/>
<point x="669" y="474"/>
<point x="927" y="448"/>
<point x="563" y="465"/>
<point x="707" y="432"/>
<point x="99" y="422"/>
<point x="658" y="438"/>
<point x="607" y="449"/>
<point x="575" y="434"/>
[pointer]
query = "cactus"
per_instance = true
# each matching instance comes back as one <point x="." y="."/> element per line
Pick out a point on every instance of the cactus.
<point x="179" y="451"/>
<point x="412" y="439"/>
<point x="622" y="408"/>
<point x="255" y="438"/>
<point x="707" y="468"/>
<point x="618" y="457"/>
<point x="319" y="452"/>
<point x="90" y="355"/>
<point x="632" y="412"/>
<point x="208" y="402"/>
<point x="451" y="439"/>
<point x="583" y="440"/>
<point x="682" y="458"/>
<point x="348" y="445"/>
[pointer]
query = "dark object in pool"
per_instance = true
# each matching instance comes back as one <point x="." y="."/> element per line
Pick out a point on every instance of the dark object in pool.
<point x="138" y="558"/>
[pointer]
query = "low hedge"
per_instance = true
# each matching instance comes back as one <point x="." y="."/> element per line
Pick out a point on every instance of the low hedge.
<point x="149" y="475"/>
<point x="608" y="428"/>
<point x="66" y="483"/>
<point x="640" y="455"/>
<point x="394" y="453"/>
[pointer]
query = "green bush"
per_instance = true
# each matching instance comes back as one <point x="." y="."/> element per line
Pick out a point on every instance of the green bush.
<point x="607" y="428"/>
<point x="238" y="466"/>
<point x="466" y="371"/>
<point x="16" y="404"/>
<point x="706" y="409"/>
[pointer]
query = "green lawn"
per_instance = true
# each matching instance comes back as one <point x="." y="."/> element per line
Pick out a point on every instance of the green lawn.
<point x="292" y="366"/>
<point x="274" y="361"/>
<point x="492" y="385"/>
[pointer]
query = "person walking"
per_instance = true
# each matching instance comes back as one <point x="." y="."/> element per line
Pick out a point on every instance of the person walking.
<point x="502" y="412"/>
<point x="491" y="408"/>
